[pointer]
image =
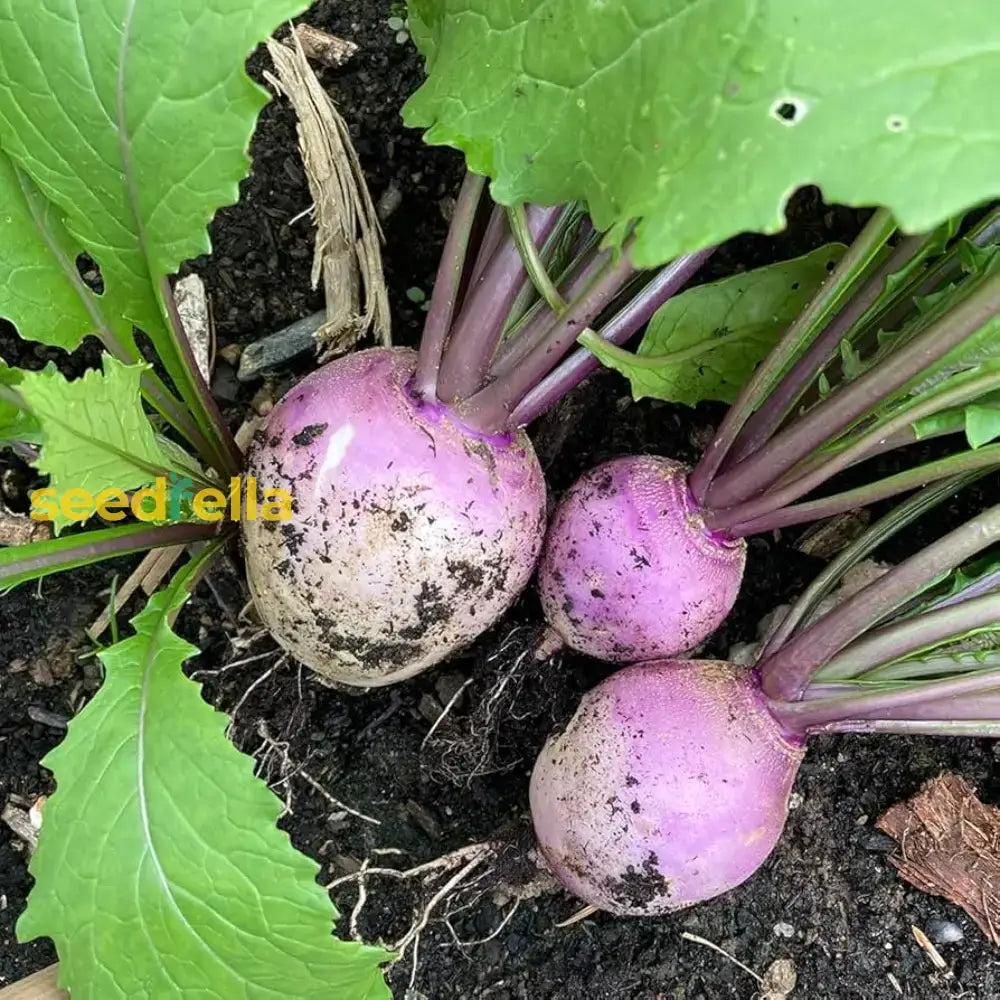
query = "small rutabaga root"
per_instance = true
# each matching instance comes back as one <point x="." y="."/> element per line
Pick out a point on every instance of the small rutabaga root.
<point x="348" y="255"/>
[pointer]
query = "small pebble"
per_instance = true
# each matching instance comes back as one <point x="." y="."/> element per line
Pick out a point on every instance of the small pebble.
<point x="262" y="402"/>
<point x="389" y="201"/>
<point x="448" y="685"/>
<point x="231" y="354"/>
<point x="784" y="930"/>
<point x="795" y="801"/>
<point x="430" y="708"/>
<point x="944" y="932"/>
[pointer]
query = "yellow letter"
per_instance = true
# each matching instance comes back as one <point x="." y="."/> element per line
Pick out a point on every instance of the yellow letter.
<point x="111" y="500"/>
<point x="44" y="505"/>
<point x="235" y="498"/>
<point x="158" y="494"/>
<point x="209" y="505"/>
<point x="277" y="505"/>
<point x="76" y="504"/>
<point x="251" y="498"/>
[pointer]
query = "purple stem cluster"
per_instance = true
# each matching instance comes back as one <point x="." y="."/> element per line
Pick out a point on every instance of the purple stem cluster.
<point x="494" y="383"/>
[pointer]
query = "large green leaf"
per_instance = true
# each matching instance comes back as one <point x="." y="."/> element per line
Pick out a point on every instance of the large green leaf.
<point x="94" y="432"/>
<point x="700" y="117"/>
<point x="706" y="342"/>
<point x="133" y="117"/>
<point x="160" y="871"/>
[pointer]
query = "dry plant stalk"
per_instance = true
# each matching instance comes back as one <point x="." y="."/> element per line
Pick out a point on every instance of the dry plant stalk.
<point x="323" y="47"/>
<point x="950" y="846"/>
<point x="348" y="255"/>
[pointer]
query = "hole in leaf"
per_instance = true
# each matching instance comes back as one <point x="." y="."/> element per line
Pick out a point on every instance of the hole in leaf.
<point x="789" y="110"/>
<point x="896" y="123"/>
<point x="88" y="270"/>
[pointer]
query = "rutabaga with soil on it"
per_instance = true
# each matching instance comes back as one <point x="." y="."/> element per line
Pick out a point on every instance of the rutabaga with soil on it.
<point x="411" y="534"/>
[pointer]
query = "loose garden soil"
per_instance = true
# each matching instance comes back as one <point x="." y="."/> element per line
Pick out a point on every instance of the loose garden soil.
<point x="828" y="899"/>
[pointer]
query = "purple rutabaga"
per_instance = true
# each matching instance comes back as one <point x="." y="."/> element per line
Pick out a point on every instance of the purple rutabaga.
<point x="629" y="571"/>
<point x="669" y="786"/>
<point x="411" y="533"/>
<point x="643" y="559"/>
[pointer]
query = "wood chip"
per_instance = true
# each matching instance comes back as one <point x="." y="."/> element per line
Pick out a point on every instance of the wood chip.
<point x="148" y="575"/>
<point x="950" y="846"/>
<point x="423" y="818"/>
<point x="925" y="943"/>
<point x="195" y="314"/>
<point x="46" y="718"/>
<point x="279" y="348"/>
<point x="324" y="48"/>
<point x="19" y="823"/>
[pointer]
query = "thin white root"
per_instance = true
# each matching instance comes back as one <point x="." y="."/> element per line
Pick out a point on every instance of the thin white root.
<point x="587" y="911"/>
<point x="335" y="802"/>
<point x="445" y="863"/>
<point x="466" y="859"/>
<point x="288" y="770"/>
<point x="695" y="939"/>
<point x="425" y="915"/>
<point x="444" y="713"/>
<point x="490" y="937"/>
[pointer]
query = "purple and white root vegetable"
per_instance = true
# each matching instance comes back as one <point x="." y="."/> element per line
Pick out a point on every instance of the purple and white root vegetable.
<point x="669" y="786"/>
<point x="629" y="571"/>
<point x="411" y="534"/>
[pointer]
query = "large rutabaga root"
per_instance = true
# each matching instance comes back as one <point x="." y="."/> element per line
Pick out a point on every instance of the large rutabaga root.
<point x="410" y="536"/>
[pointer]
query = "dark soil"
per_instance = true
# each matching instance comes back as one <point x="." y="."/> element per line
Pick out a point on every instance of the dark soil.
<point x="828" y="899"/>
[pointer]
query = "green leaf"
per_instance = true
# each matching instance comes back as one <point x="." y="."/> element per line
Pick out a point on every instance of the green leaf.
<point x="42" y="292"/>
<point x="897" y="284"/>
<point x="699" y="117"/>
<point x="706" y="342"/>
<point x="160" y="871"/>
<point x="134" y="119"/>
<point x="95" y="434"/>
<point x="982" y="424"/>
<point x="15" y="423"/>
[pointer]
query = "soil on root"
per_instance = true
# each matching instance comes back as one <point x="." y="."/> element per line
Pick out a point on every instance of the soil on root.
<point x="828" y="899"/>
